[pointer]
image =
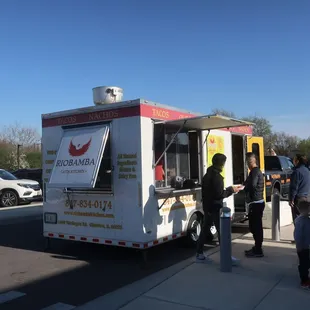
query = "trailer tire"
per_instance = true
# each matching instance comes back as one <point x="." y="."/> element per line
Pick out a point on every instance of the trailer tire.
<point x="194" y="228"/>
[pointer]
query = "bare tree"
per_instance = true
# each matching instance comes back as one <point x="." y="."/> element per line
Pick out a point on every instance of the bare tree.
<point x="18" y="134"/>
<point x="284" y="143"/>
<point x="224" y="113"/>
<point x="262" y="127"/>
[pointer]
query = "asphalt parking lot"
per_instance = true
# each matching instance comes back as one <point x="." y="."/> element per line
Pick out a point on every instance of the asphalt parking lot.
<point x="70" y="273"/>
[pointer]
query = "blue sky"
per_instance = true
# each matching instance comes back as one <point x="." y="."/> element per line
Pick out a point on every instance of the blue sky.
<point x="245" y="56"/>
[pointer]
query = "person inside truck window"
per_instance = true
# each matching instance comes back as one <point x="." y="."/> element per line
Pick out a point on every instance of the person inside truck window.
<point x="159" y="170"/>
<point x="299" y="185"/>
<point x="159" y="148"/>
<point x="254" y="191"/>
<point x="159" y="151"/>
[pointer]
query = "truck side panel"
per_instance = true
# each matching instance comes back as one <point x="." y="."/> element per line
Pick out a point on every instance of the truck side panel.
<point x="89" y="216"/>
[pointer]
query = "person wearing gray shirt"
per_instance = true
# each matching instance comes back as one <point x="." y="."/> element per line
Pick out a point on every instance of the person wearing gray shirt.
<point x="302" y="240"/>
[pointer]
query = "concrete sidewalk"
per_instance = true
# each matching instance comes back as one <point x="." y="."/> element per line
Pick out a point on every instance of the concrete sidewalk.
<point x="258" y="283"/>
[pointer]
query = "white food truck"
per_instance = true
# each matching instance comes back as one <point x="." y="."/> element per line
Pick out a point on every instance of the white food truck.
<point x="109" y="170"/>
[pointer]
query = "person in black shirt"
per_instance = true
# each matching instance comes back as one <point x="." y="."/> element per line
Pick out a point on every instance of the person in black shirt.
<point x="254" y="190"/>
<point x="213" y="193"/>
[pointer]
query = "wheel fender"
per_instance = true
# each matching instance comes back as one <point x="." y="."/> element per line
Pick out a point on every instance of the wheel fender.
<point x="9" y="189"/>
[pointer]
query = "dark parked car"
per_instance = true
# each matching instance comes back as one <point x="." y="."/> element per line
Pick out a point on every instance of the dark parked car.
<point x="278" y="170"/>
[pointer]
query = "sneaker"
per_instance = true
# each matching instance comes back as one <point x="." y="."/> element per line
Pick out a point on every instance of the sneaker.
<point x="235" y="261"/>
<point x="305" y="285"/>
<point x="201" y="258"/>
<point x="254" y="253"/>
<point x="250" y="250"/>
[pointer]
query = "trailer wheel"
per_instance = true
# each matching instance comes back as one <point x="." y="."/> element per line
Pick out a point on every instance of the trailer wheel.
<point x="194" y="229"/>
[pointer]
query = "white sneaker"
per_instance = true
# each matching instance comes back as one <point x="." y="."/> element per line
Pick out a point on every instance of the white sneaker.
<point x="201" y="258"/>
<point x="235" y="261"/>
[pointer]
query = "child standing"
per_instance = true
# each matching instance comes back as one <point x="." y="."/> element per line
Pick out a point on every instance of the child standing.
<point x="302" y="240"/>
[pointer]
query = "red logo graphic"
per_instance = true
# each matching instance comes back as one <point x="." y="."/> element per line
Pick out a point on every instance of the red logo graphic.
<point x="212" y="140"/>
<point x="79" y="150"/>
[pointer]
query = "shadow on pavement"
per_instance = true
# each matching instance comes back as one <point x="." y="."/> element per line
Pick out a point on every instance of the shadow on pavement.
<point x="73" y="272"/>
<point x="28" y="236"/>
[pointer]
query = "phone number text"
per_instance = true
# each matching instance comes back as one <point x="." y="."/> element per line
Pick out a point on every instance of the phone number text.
<point x="97" y="204"/>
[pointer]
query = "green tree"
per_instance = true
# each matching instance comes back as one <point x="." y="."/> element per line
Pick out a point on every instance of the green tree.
<point x="4" y="153"/>
<point x="28" y="138"/>
<point x="34" y="159"/>
<point x="304" y="147"/>
<point x="12" y="160"/>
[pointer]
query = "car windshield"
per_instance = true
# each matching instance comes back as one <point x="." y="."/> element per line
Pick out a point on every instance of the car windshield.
<point x="272" y="163"/>
<point x="4" y="175"/>
<point x="290" y="163"/>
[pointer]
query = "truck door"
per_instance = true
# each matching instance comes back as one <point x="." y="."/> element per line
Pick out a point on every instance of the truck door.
<point x="256" y="146"/>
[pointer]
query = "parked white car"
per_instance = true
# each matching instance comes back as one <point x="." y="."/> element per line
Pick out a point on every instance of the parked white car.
<point x="14" y="191"/>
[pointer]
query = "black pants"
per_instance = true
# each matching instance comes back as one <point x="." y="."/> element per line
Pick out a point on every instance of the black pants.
<point x="210" y="218"/>
<point x="295" y="212"/>
<point x="304" y="264"/>
<point x="256" y="211"/>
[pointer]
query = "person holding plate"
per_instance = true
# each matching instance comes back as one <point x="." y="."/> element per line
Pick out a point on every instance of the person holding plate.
<point x="254" y="193"/>
<point x="213" y="192"/>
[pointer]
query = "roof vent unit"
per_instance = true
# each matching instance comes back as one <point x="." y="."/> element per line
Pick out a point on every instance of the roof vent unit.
<point x="107" y="95"/>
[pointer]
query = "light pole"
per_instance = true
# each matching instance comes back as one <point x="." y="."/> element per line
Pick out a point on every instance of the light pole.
<point x="18" y="155"/>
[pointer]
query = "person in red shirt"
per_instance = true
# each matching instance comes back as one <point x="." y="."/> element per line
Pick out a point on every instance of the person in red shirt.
<point x="159" y="169"/>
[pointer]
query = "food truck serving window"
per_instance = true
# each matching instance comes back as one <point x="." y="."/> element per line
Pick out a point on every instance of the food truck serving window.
<point x="179" y="154"/>
<point x="79" y="157"/>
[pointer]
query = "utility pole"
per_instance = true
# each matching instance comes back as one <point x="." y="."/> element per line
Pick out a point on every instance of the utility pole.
<point x="18" y="155"/>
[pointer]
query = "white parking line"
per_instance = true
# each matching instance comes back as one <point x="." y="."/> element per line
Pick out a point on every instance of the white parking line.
<point x="59" y="306"/>
<point x="10" y="296"/>
<point x="37" y="204"/>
